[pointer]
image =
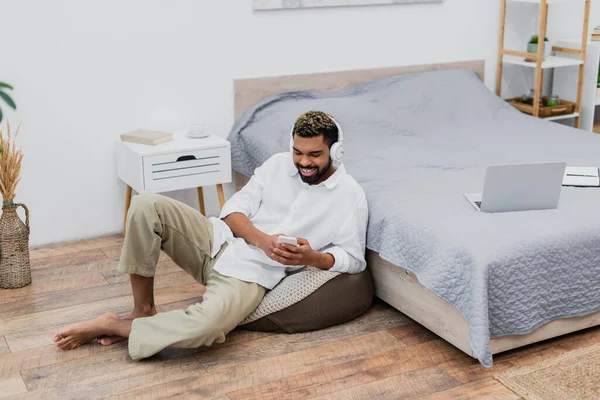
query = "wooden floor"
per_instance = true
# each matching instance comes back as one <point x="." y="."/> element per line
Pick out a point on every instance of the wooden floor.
<point x="381" y="355"/>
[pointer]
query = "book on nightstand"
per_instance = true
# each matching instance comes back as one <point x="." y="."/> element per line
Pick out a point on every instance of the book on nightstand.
<point x="145" y="136"/>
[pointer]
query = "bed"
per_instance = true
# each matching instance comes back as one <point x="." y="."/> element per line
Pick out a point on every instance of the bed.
<point x="416" y="139"/>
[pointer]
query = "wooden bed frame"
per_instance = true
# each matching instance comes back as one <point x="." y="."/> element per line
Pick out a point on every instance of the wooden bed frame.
<point x="394" y="284"/>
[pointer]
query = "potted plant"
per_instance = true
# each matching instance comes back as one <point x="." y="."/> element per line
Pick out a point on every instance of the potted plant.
<point x="15" y="269"/>
<point x="532" y="46"/>
<point x="4" y="96"/>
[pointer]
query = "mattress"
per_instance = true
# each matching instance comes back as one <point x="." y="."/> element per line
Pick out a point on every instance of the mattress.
<point x="416" y="143"/>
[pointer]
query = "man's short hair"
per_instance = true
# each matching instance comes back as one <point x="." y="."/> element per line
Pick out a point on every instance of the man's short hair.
<point x="316" y="123"/>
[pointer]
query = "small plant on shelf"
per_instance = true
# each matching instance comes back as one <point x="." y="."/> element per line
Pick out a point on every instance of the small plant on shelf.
<point x="535" y="39"/>
<point x="528" y="99"/>
<point x="532" y="46"/>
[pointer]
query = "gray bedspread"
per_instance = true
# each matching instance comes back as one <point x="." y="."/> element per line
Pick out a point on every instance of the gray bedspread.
<point x="416" y="143"/>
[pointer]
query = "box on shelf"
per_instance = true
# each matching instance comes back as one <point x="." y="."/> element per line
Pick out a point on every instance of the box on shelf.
<point x="596" y="34"/>
<point x="564" y="107"/>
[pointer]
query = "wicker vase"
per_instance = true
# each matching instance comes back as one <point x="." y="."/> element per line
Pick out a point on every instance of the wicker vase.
<point x="15" y="270"/>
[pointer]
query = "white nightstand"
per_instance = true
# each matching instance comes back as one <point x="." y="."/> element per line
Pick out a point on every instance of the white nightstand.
<point x="182" y="163"/>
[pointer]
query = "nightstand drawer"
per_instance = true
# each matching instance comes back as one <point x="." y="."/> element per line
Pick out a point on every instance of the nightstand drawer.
<point x="193" y="168"/>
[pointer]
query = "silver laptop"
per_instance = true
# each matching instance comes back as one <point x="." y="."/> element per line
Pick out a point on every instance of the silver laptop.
<point x="519" y="187"/>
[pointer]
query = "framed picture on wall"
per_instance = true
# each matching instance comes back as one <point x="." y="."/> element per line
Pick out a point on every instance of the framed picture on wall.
<point x="285" y="4"/>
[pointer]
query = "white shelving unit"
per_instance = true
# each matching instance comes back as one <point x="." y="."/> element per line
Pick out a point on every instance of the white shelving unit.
<point x="540" y="1"/>
<point x="566" y="81"/>
<point x="549" y="62"/>
<point x="569" y="55"/>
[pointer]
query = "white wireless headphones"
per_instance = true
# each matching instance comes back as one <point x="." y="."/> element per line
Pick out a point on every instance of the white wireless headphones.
<point x="336" y="151"/>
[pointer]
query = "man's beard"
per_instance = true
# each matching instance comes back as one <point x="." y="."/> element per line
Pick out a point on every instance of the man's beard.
<point x="317" y="176"/>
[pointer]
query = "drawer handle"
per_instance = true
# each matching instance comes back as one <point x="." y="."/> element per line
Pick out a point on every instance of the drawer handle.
<point x="186" y="158"/>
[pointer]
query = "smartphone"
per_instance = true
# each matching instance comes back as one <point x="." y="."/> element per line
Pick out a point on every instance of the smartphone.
<point x="288" y="240"/>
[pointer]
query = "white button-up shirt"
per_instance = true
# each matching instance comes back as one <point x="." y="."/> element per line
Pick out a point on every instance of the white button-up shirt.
<point x="332" y="216"/>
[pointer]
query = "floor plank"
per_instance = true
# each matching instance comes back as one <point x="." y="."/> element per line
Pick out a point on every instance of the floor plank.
<point x="53" y="301"/>
<point x="489" y="389"/>
<point x="74" y="270"/>
<point x="74" y="247"/>
<point x="108" y="373"/>
<point x="35" y="330"/>
<point x="49" y="354"/>
<point x="413" y="333"/>
<point x="410" y="385"/>
<point x="192" y="395"/>
<point x="253" y="373"/>
<point x="68" y="259"/>
<point x="39" y="288"/>
<point x="466" y="369"/>
<point x="160" y="393"/>
<point x="322" y="381"/>
<point x="107" y="267"/>
<point x="240" y="336"/>
<point x="3" y="346"/>
<point x="114" y="251"/>
<point x="376" y="319"/>
<point x="11" y="385"/>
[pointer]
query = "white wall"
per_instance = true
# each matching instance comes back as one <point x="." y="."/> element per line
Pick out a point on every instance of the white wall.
<point x="566" y="19"/>
<point x="84" y="72"/>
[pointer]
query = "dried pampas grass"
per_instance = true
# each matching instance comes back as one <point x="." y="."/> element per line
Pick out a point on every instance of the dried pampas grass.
<point x="10" y="164"/>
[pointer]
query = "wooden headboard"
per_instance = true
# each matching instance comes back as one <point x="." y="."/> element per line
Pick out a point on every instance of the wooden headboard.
<point x="250" y="91"/>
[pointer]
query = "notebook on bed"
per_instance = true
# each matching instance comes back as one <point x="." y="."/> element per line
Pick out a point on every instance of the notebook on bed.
<point x="582" y="177"/>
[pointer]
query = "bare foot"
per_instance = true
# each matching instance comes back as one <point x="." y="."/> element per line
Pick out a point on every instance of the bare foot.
<point x="78" y="334"/>
<point x="109" y="340"/>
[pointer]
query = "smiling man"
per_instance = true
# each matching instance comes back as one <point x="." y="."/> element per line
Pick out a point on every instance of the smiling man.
<point x="305" y="193"/>
<point x="311" y="156"/>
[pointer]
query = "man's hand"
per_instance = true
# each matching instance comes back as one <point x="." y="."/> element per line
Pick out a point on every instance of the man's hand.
<point x="302" y="254"/>
<point x="268" y="243"/>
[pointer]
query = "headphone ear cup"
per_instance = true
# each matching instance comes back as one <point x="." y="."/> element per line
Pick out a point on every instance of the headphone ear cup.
<point x="340" y="152"/>
<point x="337" y="151"/>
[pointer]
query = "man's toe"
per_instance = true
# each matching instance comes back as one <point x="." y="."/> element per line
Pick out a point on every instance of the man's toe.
<point x="109" y="340"/>
<point x="62" y="343"/>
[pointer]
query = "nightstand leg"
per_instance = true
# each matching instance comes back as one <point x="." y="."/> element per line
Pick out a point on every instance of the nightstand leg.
<point x="221" y="195"/>
<point x="201" y="200"/>
<point x="127" y="204"/>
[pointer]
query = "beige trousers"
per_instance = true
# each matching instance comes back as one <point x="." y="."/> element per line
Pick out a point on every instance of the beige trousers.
<point x="156" y="222"/>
